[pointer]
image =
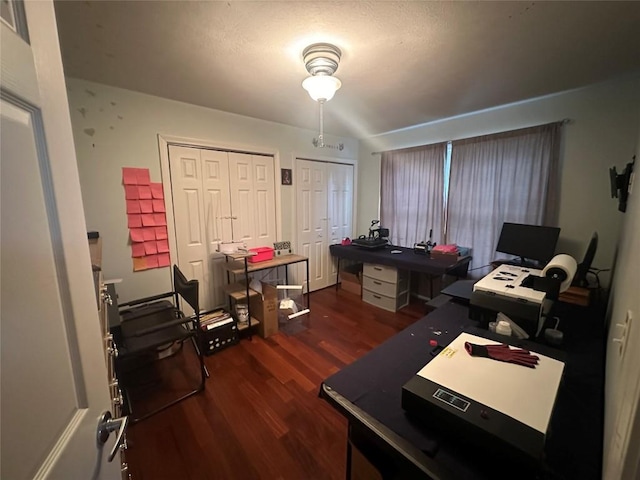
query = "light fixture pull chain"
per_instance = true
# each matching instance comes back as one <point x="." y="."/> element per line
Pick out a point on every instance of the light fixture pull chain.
<point x="319" y="142"/>
<point x="321" y="136"/>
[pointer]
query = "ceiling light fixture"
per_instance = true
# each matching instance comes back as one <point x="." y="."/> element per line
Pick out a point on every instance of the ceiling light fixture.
<point x="321" y="61"/>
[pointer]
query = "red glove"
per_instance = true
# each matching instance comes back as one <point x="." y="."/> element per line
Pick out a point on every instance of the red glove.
<point x="502" y="353"/>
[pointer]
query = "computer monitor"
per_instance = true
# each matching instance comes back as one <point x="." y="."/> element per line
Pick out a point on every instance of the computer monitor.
<point x="580" y="278"/>
<point x="528" y="242"/>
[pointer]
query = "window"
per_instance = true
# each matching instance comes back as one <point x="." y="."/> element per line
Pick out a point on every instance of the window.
<point x="466" y="189"/>
<point x="411" y="197"/>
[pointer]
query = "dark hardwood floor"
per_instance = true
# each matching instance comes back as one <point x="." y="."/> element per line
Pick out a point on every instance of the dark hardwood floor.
<point x="260" y="416"/>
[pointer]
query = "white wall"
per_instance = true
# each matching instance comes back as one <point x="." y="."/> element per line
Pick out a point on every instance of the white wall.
<point x="602" y="133"/>
<point x="115" y="128"/>
<point x="621" y="457"/>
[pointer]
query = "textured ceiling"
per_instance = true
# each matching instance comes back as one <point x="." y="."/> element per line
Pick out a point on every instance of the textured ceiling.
<point x="403" y="63"/>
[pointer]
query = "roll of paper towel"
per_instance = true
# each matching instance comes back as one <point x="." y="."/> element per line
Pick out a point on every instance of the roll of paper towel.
<point x="561" y="267"/>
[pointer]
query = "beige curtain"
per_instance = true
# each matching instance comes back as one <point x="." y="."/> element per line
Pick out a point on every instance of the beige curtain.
<point x="411" y="194"/>
<point x="507" y="177"/>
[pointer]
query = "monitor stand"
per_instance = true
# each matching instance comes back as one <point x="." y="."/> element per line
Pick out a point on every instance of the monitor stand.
<point x="518" y="262"/>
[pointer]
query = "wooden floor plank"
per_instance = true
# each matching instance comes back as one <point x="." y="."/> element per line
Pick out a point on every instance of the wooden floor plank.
<point x="260" y="416"/>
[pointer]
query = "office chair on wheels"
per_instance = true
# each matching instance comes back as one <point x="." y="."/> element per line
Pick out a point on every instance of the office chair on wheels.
<point x="154" y="369"/>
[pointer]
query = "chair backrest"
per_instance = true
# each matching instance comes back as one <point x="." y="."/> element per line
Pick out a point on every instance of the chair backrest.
<point x="187" y="289"/>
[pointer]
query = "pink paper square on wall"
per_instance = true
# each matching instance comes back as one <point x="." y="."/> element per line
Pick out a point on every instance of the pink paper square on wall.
<point x="152" y="261"/>
<point x="137" y="249"/>
<point x="148" y="220"/>
<point x="150" y="248"/>
<point x="146" y="206"/>
<point x="163" y="246"/>
<point x="139" y="263"/>
<point x="164" y="260"/>
<point x="131" y="192"/>
<point x="161" y="233"/>
<point x="137" y="234"/>
<point x="144" y="192"/>
<point x="142" y="176"/>
<point x="133" y="206"/>
<point x="158" y="205"/>
<point x="160" y="219"/>
<point x="129" y="176"/>
<point x="156" y="190"/>
<point x="149" y="234"/>
<point x="134" y="221"/>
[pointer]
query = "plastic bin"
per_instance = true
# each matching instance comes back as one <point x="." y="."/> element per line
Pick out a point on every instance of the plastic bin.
<point x="292" y="312"/>
<point x="262" y="254"/>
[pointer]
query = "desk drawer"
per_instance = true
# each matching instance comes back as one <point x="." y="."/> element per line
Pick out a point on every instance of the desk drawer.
<point x="381" y="272"/>
<point x="385" y="302"/>
<point x="384" y="288"/>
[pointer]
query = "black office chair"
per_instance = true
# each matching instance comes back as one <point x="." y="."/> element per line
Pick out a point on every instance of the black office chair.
<point x="153" y="331"/>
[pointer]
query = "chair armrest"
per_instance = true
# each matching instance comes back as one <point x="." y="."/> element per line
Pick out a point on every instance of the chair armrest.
<point x="161" y="326"/>
<point x="140" y="301"/>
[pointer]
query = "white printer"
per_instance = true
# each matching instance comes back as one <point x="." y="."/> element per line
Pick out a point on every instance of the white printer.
<point x="502" y="291"/>
<point x="525" y="295"/>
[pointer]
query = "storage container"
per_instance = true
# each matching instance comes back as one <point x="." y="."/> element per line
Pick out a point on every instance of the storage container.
<point x="262" y="254"/>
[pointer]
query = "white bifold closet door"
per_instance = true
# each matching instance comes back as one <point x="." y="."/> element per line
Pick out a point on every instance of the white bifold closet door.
<point x="218" y="196"/>
<point x="324" y="211"/>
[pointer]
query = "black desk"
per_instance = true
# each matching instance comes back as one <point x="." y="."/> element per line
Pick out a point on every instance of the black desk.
<point x="368" y="393"/>
<point x="407" y="260"/>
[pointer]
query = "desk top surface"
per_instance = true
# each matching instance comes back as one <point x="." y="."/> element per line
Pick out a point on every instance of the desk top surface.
<point x="373" y="385"/>
<point x="407" y="259"/>
<point x="237" y="266"/>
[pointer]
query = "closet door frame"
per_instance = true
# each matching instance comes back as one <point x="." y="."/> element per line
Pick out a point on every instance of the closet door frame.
<point x="163" y="145"/>
<point x="354" y="206"/>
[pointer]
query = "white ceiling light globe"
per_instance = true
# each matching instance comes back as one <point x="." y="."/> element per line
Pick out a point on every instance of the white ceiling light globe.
<point x="321" y="87"/>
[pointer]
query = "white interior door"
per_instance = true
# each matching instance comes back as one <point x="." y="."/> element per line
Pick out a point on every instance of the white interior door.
<point x="202" y="216"/>
<point x="54" y="378"/>
<point x="264" y="200"/>
<point x="340" y="197"/>
<point x="311" y="204"/>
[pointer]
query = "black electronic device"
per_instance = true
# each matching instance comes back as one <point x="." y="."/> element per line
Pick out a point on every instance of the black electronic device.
<point x="620" y="184"/>
<point x="580" y="278"/>
<point x="424" y="248"/>
<point x="377" y="237"/>
<point x="528" y="242"/>
<point x="370" y="243"/>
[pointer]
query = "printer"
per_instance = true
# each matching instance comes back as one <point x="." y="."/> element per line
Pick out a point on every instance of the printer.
<point x="497" y="406"/>
<point x="502" y="291"/>
<point x="526" y="295"/>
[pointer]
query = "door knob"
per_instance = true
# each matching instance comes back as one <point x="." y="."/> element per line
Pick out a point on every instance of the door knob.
<point x="106" y="425"/>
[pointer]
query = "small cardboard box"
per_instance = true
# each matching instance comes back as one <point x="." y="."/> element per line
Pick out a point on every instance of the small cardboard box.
<point x="351" y="279"/>
<point x="265" y="308"/>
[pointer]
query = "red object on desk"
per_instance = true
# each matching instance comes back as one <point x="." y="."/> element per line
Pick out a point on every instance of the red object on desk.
<point x="262" y="254"/>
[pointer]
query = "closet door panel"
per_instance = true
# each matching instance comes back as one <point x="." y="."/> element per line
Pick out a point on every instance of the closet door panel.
<point x="215" y="179"/>
<point x="217" y="219"/>
<point x="340" y="205"/>
<point x="188" y="203"/>
<point x="311" y="204"/>
<point x="242" y="198"/>
<point x="346" y="202"/>
<point x="264" y="200"/>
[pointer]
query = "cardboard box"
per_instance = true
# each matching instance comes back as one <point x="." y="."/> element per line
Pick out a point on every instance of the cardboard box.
<point x="265" y="308"/>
